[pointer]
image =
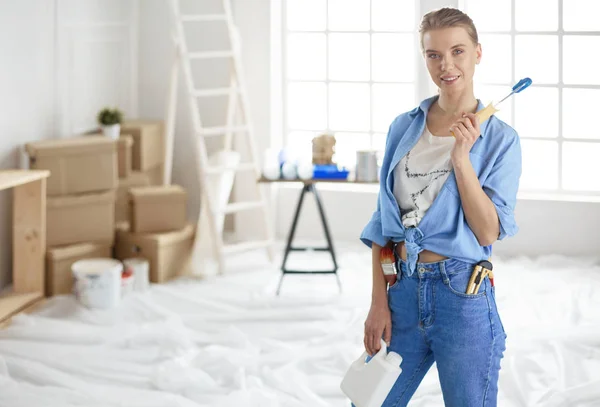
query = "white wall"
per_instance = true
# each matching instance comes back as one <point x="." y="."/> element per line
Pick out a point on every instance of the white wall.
<point x="62" y="61"/>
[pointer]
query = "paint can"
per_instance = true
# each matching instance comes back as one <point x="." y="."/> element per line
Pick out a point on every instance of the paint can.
<point x="97" y="282"/>
<point x="140" y="270"/>
<point x="366" y="166"/>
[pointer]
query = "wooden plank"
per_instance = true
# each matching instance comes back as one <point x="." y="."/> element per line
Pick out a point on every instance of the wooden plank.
<point x="13" y="303"/>
<point x="13" y="178"/>
<point x="29" y="236"/>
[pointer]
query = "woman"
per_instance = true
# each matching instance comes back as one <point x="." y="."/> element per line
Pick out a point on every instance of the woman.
<point x="448" y="190"/>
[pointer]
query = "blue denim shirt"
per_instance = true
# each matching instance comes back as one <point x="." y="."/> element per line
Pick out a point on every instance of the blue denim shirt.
<point x="496" y="158"/>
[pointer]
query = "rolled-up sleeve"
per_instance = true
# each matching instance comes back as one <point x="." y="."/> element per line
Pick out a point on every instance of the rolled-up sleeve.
<point x="502" y="184"/>
<point x="372" y="232"/>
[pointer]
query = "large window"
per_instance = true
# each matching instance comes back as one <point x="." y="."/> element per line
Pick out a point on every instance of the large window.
<point x="554" y="42"/>
<point x="349" y="69"/>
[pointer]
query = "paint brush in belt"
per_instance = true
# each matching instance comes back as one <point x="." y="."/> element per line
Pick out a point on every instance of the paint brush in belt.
<point x="388" y="265"/>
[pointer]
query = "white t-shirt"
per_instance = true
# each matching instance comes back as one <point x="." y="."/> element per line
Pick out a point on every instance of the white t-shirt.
<point x="420" y="175"/>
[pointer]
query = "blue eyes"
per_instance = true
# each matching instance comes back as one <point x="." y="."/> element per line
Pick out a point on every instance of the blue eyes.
<point x="454" y="52"/>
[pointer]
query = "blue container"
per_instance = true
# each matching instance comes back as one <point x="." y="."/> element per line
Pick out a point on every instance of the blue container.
<point x="330" y="172"/>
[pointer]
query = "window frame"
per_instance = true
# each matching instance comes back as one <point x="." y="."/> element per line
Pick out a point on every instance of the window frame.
<point x="285" y="81"/>
<point x="560" y="191"/>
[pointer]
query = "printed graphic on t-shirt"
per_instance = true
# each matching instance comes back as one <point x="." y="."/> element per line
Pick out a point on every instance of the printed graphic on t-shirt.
<point x="434" y="175"/>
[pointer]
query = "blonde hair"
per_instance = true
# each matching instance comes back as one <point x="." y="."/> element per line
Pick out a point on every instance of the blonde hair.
<point x="445" y="18"/>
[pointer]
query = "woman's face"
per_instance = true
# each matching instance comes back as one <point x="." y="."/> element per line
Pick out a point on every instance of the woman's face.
<point x="451" y="57"/>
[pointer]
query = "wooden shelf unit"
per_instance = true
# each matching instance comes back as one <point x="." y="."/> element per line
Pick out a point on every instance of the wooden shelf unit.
<point x="28" y="238"/>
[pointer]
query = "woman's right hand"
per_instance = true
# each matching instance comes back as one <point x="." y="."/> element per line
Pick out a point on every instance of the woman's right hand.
<point x="377" y="326"/>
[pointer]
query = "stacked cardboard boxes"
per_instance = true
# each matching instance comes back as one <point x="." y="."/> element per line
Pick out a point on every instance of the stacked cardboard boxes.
<point x="101" y="189"/>
<point x="158" y="231"/>
<point x="80" y="202"/>
<point x="151" y="216"/>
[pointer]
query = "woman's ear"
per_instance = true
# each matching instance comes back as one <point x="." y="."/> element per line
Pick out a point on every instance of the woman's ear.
<point x="478" y="52"/>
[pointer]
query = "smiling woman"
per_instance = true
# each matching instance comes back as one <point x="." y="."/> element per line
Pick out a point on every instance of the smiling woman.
<point x="443" y="202"/>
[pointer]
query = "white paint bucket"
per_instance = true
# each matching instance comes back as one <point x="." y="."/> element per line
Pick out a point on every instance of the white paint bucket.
<point x="98" y="282"/>
<point x="140" y="269"/>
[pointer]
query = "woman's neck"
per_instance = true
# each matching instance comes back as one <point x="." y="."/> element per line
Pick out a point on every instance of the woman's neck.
<point x="453" y="105"/>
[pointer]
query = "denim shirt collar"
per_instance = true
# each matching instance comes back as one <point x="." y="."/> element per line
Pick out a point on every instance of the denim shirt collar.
<point x="426" y="104"/>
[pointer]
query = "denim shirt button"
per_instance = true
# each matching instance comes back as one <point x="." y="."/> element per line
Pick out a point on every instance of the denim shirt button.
<point x="422" y="269"/>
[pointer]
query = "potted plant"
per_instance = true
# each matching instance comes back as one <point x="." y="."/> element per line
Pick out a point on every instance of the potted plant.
<point x="110" y="120"/>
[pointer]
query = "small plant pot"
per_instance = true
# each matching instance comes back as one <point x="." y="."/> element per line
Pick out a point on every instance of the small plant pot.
<point x="112" y="131"/>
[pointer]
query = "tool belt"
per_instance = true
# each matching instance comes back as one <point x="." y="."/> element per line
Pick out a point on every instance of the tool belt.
<point x="481" y="270"/>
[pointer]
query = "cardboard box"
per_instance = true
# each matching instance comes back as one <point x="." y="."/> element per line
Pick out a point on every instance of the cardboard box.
<point x="168" y="253"/>
<point x="156" y="175"/>
<point x="77" y="164"/>
<point x="148" y="149"/>
<point x="59" y="278"/>
<point x="135" y="179"/>
<point x="125" y="144"/>
<point x="80" y="218"/>
<point x="158" y="208"/>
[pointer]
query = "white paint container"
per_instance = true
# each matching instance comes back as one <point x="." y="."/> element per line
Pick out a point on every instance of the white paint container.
<point x="140" y="269"/>
<point x="367" y="384"/>
<point x="97" y="282"/>
<point x="366" y="166"/>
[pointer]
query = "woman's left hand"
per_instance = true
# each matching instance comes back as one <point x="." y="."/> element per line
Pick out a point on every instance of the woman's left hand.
<point x="466" y="132"/>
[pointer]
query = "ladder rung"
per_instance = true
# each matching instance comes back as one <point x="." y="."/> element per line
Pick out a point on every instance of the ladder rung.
<point x="222" y="168"/>
<point x="242" y="206"/>
<point x="204" y="17"/>
<point x="215" y="131"/>
<point x="214" y="92"/>
<point x="210" y="54"/>
<point x="242" y="247"/>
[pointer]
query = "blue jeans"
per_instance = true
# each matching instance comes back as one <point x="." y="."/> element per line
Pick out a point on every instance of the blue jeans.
<point x="434" y="320"/>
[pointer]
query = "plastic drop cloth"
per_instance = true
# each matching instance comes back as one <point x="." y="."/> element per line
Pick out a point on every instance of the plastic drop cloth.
<point x="229" y="341"/>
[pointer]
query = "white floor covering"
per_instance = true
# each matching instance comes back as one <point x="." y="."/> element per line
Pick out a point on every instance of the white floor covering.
<point x="231" y="342"/>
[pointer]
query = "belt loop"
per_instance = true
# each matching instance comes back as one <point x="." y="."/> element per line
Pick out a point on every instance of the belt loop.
<point x="443" y="272"/>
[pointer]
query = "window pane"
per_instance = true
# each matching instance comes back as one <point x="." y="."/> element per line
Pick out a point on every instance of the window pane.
<point x="581" y="166"/>
<point x="349" y="57"/>
<point x="537" y="58"/>
<point x="492" y="94"/>
<point x="389" y="101"/>
<point x="306" y="56"/>
<point x="530" y="17"/>
<point x="299" y="144"/>
<point x="347" y="15"/>
<point x="490" y="15"/>
<point x="393" y="15"/>
<point x="578" y="68"/>
<point x="379" y="142"/>
<point x="536" y="112"/>
<point x="307" y="106"/>
<point x="393" y="57"/>
<point x="306" y="15"/>
<point x="349" y="106"/>
<point x="496" y="59"/>
<point x="579" y="106"/>
<point x="540" y="164"/>
<point x="346" y="145"/>
<point x="581" y="15"/>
